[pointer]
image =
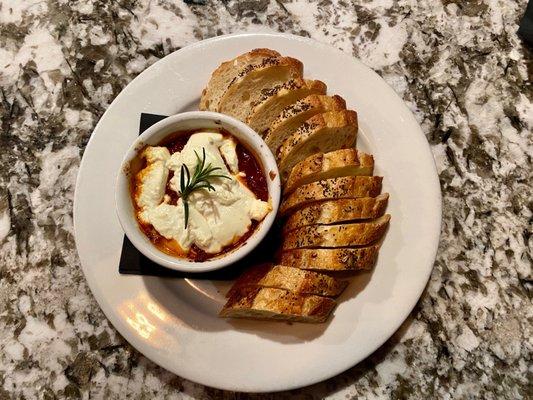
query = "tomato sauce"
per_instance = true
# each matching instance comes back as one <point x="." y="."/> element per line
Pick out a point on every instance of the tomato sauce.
<point x="255" y="180"/>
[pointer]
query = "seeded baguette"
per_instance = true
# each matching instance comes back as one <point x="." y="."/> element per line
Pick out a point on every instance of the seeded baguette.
<point x="348" y="187"/>
<point x="277" y="304"/>
<point x="336" y="211"/>
<point x="342" y="235"/>
<point x="324" y="132"/>
<point x="246" y="88"/>
<point x="296" y="114"/>
<point x="335" y="259"/>
<point x="338" y="163"/>
<point x="226" y="72"/>
<point x="294" y="280"/>
<point x="274" y="100"/>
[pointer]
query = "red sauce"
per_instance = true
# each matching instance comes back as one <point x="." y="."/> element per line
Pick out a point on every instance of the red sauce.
<point x="176" y="141"/>
<point x="171" y="193"/>
<point x="254" y="180"/>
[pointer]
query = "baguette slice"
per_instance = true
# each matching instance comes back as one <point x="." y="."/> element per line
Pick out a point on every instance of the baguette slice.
<point x="274" y="100"/>
<point x="277" y="304"/>
<point x="292" y="279"/>
<point x="336" y="211"/>
<point x="296" y="114"/>
<point x="226" y="72"/>
<point x="325" y="132"/>
<point x="246" y="87"/>
<point x="337" y="259"/>
<point x="338" y="163"/>
<point x="348" y="187"/>
<point x="343" y="235"/>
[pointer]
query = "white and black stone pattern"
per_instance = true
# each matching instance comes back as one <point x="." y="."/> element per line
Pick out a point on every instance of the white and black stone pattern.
<point x="459" y="66"/>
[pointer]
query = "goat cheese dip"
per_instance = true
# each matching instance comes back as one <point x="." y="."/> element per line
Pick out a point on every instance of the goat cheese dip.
<point x="222" y="212"/>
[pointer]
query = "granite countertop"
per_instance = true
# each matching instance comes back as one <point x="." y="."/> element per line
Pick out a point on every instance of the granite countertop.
<point x="459" y="66"/>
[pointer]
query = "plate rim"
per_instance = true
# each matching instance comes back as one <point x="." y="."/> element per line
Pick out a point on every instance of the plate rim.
<point x="437" y="199"/>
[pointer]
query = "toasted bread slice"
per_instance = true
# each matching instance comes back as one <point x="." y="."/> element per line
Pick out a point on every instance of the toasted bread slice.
<point x="274" y="100"/>
<point x="296" y="114"/>
<point x="324" y="132"/>
<point x="336" y="211"/>
<point x="336" y="259"/>
<point x="246" y="88"/>
<point x="292" y="279"/>
<point x="338" y="163"/>
<point x="342" y="235"/>
<point x="277" y="304"/>
<point x="226" y="72"/>
<point x="348" y="187"/>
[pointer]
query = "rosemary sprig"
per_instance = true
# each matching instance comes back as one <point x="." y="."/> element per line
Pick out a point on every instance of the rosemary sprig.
<point x="199" y="180"/>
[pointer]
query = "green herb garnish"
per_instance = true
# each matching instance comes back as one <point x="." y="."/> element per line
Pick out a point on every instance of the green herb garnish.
<point x="199" y="180"/>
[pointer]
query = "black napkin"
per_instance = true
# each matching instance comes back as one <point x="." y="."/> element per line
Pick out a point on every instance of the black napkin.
<point x="526" y="25"/>
<point x="132" y="262"/>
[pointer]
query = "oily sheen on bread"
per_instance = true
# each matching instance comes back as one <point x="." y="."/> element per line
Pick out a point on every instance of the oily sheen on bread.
<point x="324" y="132"/>
<point x="273" y="101"/>
<point x="277" y="304"/>
<point x="296" y="114"/>
<point x="246" y="88"/>
<point x="344" y="162"/>
<point x="336" y="211"/>
<point x="348" y="187"/>
<point x="334" y="259"/>
<point x="226" y="72"/>
<point x="292" y="279"/>
<point x="341" y="235"/>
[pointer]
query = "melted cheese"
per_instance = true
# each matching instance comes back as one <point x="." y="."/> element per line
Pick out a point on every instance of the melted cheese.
<point x="216" y="218"/>
<point x="152" y="180"/>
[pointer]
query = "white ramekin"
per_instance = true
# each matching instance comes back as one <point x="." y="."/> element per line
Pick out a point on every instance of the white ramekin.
<point x="154" y="135"/>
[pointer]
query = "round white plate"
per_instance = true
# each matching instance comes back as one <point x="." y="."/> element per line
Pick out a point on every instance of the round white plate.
<point x="174" y="321"/>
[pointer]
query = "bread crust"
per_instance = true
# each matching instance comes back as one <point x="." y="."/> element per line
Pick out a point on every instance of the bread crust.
<point x="227" y="71"/>
<point x="322" y="103"/>
<point x="341" y="235"/>
<point x="348" y="187"/>
<point x="334" y="129"/>
<point x="335" y="259"/>
<point x="277" y="304"/>
<point x="338" y="163"/>
<point x="272" y="101"/>
<point x="289" y="278"/>
<point x="293" y="67"/>
<point x="336" y="211"/>
<point x="296" y="114"/>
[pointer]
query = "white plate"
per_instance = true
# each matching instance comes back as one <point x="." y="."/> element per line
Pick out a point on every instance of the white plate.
<point x="174" y="321"/>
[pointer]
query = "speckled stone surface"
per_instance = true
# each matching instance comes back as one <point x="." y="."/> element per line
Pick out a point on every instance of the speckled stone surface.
<point x="461" y="69"/>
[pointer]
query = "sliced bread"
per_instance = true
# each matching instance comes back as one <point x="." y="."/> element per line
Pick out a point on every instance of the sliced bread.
<point x="246" y="88"/>
<point x="336" y="259"/>
<point x="274" y="100"/>
<point x="324" y="132"/>
<point x="348" y="187"/>
<point x="277" y="304"/>
<point x="344" y="162"/>
<point x="342" y="235"/>
<point x="339" y="210"/>
<point x="296" y="114"/>
<point x="294" y="280"/>
<point x="226" y="72"/>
